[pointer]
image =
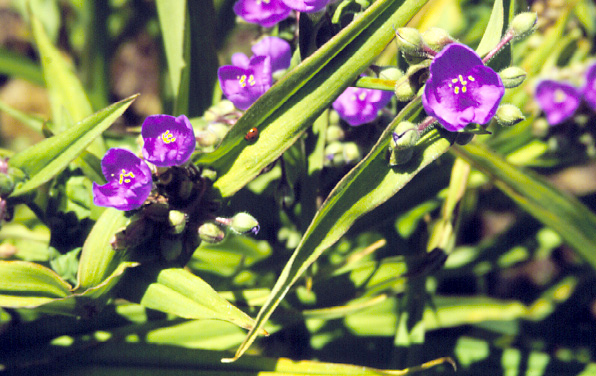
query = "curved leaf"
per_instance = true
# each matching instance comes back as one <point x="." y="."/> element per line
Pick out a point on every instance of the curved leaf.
<point x="291" y="105"/>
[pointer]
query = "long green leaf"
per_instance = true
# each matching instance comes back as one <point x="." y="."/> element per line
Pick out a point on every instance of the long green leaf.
<point x="98" y="258"/>
<point x="172" y="19"/>
<point x="26" y="284"/>
<point x="494" y="29"/>
<point x="368" y="185"/>
<point x="563" y="213"/>
<point x="291" y="105"/>
<point x="46" y="159"/>
<point x="15" y="65"/>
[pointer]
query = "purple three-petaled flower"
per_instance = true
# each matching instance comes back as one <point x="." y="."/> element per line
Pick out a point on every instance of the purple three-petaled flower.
<point x="359" y="106"/>
<point x="129" y="181"/>
<point x="278" y="50"/>
<point x="589" y="90"/>
<point x="306" y="6"/>
<point x="244" y="84"/>
<point x="460" y="89"/>
<point x="558" y="100"/>
<point x="168" y="140"/>
<point x="266" y="13"/>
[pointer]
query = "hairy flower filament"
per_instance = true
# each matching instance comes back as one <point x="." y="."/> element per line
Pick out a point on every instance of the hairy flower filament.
<point x="242" y="80"/>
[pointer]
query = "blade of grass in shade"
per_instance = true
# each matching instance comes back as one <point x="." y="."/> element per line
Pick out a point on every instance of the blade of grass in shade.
<point x="46" y="159"/>
<point x="563" y="213"/>
<point x="365" y="187"/>
<point x="34" y="122"/>
<point x="172" y="20"/>
<point x="283" y="113"/>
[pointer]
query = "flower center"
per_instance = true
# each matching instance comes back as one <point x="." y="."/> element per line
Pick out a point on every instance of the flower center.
<point x="167" y="137"/>
<point x="459" y="84"/>
<point x="123" y="176"/>
<point x="242" y="80"/>
<point x="560" y="96"/>
<point x="259" y="2"/>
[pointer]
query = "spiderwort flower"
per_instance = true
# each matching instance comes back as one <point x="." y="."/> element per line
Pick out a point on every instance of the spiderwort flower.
<point x="359" y="106"/>
<point x="266" y="13"/>
<point x="169" y="140"/>
<point x="129" y="181"/>
<point x="278" y="50"/>
<point x="244" y="85"/>
<point x="306" y="6"/>
<point x="590" y="87"/>
<point x="460" y="89"/>
<point x="558" y="100"/>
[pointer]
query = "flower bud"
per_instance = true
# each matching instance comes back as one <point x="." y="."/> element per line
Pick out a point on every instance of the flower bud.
<point x="409" y="41"/>
<point x="211" y="233"/>
<point x="334" y="151"/>
<point x="177" y="221"/>
<point x="404" y="138"/>
<point x="243" y="222"/>
<point x="523" y="24"/>
<point x="405" y="90"/>
<point x="391" y="73"/>
<point x="351" y="152"/>
<point x="437" y="38"/>
<point x="508" y="115"/>
<point x="209" y="174"/>
<point x="512" y="77"/>
<point x="206" y="138"/>
<point x="6" y="184"/>
<point x="334" y="132"/>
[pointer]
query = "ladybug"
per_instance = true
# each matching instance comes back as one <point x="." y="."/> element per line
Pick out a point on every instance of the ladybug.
<point x="252" y="134"/>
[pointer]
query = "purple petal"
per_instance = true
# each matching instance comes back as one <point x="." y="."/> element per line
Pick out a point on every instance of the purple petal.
<point x="129" y="181"/>
<point x="359" y="106"/>
<point x="558" y="100"/>
<point x="306" y="6"/>
<point x="589" y="89"/>
<point x="240" y="60"/>
<point x="168" y="140"/>
<point x="265" y="13"/>
<point x="460" y="89"/>
<point x="244" y="86"/>
<point x="278" y="50"/>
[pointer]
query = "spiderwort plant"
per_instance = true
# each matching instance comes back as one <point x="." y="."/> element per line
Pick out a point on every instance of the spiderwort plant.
<point x="129" y="181"/>
<point x="558" y="100"/>
<point x="460" y="89"/>
<point x="266" y="13"/>
<point x="244" y="84"/>
<point x="306" y="6"/>
<point x="589" y="90"/>
<point x="168" y="140"/>
<point x="359" y="106"/>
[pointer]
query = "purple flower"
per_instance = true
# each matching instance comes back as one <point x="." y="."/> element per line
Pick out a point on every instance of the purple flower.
<point x="460" y="89"/>
<point x="129" y="181"/>
<point x="277" y="49"/>
<point x="306" y="6"/>
<point x="263" y="12"/>
<point x="558" y="100"/>
<point x="358" y="106"/>
<point x="590" y="87"/>
<point x="244" y="85"/>
<point x="169" y="140"/>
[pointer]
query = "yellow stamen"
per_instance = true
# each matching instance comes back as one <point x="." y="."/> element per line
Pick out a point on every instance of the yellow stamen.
<point x="123" y="174"/>
<point x="167" y="137"/>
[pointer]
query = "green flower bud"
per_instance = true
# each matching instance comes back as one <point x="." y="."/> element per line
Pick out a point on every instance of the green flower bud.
<point x="334" y="152"/>
<point x="540" y="127"/>
<point x="334" y="132"/>
<point x="209" y="174"/>
<point x="523" y="24"/>
<point x="391" y="73"/>
<point x="405" y="90"/>
<point x="206" y="138"/>
<point x="512" y="77"/>
<point x="437" y="38"/>
<point x="243" y="222"/>
<point x="158" y="212"/>
<point x="170" y="247"/>
<point x="508" y="115"/>
<point x="6" y="184"/>
<point x="177" y="221"/>
<point x="409" y="41"/>
<point x="404" y="138"/>
<point x="211" y="233"/>
<point x="334" y="117"/>
<point x="351" y="152"/>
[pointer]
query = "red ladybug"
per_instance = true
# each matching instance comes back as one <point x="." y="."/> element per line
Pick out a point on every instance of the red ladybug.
<point x="252" y="134"/>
